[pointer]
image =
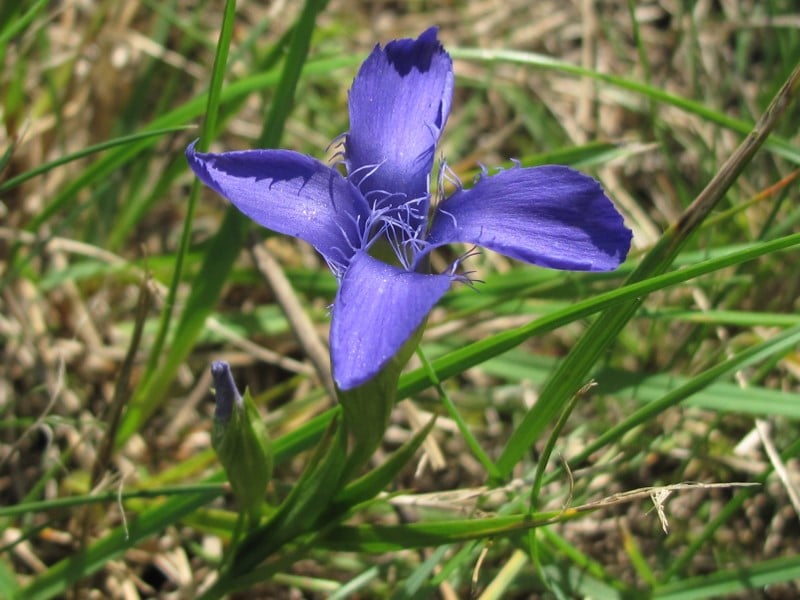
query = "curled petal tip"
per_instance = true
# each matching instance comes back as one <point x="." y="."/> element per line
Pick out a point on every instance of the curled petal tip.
<point x="551" y="216"/>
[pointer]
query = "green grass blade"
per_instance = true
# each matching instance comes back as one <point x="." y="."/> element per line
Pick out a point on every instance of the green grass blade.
<point x="777" y="145"/>
<point x="452" y="410"/>
<point x="574" y="370"/>
<point x="103" y="497"/>
<point x="223" y="249"/>
<point x="388" y="538"/>
<point x="14" y="26"/>
<point x="458" y="361"/>
<point x="517" y="366"/>
<point x="777" y="346"/>
<point x="296" y="57"/>
<point x="88" y="151"/>
<point x="212" y="110"/>
<point x="58" y="578"/>
<point x="748" y="578"/>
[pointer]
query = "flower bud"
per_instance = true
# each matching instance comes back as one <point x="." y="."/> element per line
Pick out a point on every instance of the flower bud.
<point x="240" y="439"/>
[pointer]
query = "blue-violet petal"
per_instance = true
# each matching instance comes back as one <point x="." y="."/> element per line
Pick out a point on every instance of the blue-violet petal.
<point x="290" y="193"/>
<point x="378" y="307"/>
<point x="399" y="104"/>
<point x="551" y="216"/>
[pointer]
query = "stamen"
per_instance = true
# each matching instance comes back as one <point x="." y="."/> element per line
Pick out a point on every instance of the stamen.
<point x="447" y="174"/>
<point x="442" y="211"/>
<point x="464" y="277"/>
<point x="371" y="169"/>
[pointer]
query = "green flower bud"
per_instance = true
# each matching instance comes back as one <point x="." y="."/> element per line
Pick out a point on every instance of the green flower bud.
<point x="240" y="439"/>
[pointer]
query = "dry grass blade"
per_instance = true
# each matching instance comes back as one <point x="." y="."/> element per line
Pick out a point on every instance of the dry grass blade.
<point x="302" y="326"/>
<point x="778" y="464"/>
<point x="122" y="385"/>
<point x="732" y="168"/>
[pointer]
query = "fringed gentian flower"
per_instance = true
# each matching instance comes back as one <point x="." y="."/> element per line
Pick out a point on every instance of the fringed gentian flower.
<point x="551" y="216"/>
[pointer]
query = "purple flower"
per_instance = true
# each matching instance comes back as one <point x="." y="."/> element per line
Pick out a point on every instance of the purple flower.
<point x="372" y="226"/>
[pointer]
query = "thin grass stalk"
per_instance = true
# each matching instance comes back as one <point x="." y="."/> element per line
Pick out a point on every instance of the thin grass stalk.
<point x="212" y="113"/>
<point x="452" y="410"/>
<point x="225" y="246"/>
<point x="680" y="564"/>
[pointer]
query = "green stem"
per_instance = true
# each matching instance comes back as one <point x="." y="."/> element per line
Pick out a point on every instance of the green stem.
<point x="212" y="113"/>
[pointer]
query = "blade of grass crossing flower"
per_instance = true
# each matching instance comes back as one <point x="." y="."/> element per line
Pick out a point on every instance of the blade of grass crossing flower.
<point x="458" y="361"/>
<point x="574" y="369"/>
<point x="223" y="249"/>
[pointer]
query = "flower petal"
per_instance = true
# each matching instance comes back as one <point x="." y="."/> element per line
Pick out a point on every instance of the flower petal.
<point x="290" y="193"/>
<point x="399" y="104"/>
<point x="377" y="309"/>
<point x="551" y="216"/>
